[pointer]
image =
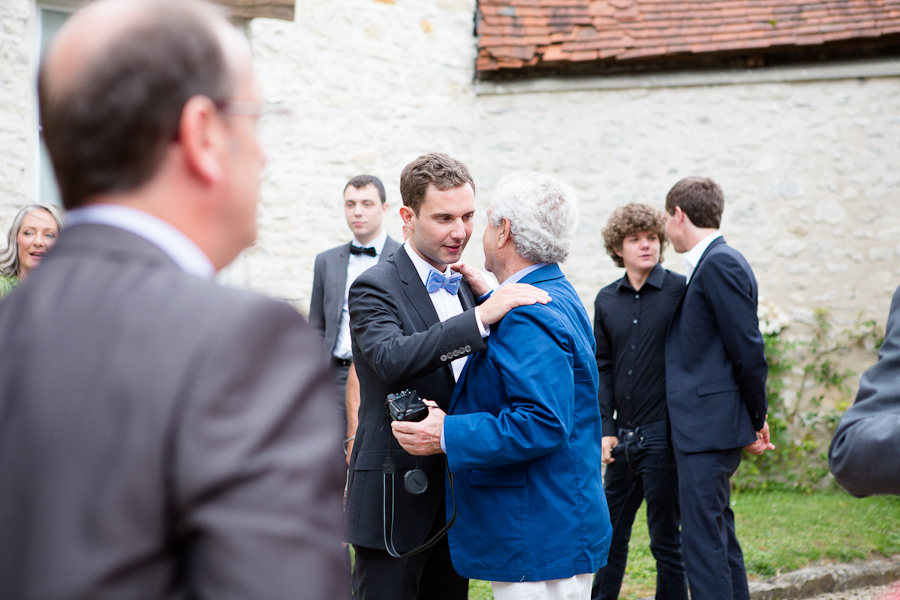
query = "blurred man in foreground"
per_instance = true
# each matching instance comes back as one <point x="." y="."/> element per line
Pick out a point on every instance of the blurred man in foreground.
<point x="865" y="451"/>
<point x="160" y="436"/>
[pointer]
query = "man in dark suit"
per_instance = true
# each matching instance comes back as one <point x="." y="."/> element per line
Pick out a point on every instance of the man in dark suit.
<point x="865" y="451"/>
<point x="413" y="323"/>
<point x="715" y="386"/>
<point x="160" y="436"/>
<point x="364" y="206"/>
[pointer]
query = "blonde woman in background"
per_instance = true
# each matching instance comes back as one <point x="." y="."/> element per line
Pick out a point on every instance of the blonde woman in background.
<point x="33" y="233"/>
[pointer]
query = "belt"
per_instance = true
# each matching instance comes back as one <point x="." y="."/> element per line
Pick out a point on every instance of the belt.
<point x="344" y="363"/>
<point x="655" y="427"/>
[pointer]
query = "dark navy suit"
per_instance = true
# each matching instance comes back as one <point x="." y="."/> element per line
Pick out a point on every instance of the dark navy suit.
<point x="716" y="395"/>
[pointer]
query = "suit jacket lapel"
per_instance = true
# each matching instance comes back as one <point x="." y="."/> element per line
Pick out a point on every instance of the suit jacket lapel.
<point x="343" y="260"/>
<point x="415" y="290"/>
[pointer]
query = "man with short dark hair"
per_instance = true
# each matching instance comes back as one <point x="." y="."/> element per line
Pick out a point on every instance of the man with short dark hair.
<point x="631" y="318"/>
<point x="716" y="387"/>
<point x="414" y="324"/>
<point x="336" y="269"/>
<point x="160" y="436"/>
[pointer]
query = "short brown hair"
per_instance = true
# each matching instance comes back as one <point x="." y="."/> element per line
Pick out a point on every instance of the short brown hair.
<point x="110" y="131"/>
<point x="628" y="220"/>
<point x="436" y="169"/>
<point x="700" y="198"/>
<point x="361" y="181"/>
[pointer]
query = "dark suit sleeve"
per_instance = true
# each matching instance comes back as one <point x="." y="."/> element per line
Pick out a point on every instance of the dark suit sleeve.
<point x="605" y="395"/>
<point x="257" y="467"/>
<point x="317" y="303"/>
<point x="865" y="452"/>
<point x="728" y="289"/>
<point x="397" y="355"/>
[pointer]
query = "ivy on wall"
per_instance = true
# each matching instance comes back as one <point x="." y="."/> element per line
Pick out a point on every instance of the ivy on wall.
<point x="801" y="421"/>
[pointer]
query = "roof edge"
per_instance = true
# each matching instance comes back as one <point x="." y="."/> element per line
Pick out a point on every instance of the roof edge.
<point x="812" y="72"/>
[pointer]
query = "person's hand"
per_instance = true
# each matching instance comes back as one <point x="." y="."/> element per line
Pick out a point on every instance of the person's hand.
<point x="762" y="442"/>
<point x="421" y="438"/>
<point x="608" y="443"/>
<point x="473" y="277"/>
<point x="507" y="298"/>
<point x="349" y="451"/>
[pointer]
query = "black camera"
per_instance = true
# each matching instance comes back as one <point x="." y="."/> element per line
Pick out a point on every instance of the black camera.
<point x="405" y="406"/>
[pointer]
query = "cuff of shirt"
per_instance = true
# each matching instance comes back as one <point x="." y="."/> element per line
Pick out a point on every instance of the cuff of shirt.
<point x="443" y="442"/>
<point x="484" y="331"/>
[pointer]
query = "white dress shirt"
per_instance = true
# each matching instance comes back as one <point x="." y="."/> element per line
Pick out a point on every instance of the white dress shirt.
<point x="356" y="266"/>
<point x="179" y="247"/>
<point x="445" y="304"/>
<point x="692" y="256"/>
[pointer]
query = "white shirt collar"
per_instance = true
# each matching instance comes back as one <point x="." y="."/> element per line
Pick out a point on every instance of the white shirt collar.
<point x="422" y="267"/>
<point x="180" y="248"/>
<point x="521" y="274"/>
<point x="377" y="243"/>
<point x="693" y="256"/>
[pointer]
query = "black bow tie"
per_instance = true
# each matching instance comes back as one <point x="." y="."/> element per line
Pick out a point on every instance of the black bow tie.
<point x="357" y="250"/>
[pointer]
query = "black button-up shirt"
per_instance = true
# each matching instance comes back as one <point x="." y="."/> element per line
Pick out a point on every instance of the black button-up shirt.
<point x="630" y="328"/>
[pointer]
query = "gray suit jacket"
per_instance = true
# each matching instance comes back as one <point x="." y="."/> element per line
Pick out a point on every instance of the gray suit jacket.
<point x="329" y="285"/>
<point x="399" y="343"/>
<point x="865" y="451"/>
<point x="162" y="436"/>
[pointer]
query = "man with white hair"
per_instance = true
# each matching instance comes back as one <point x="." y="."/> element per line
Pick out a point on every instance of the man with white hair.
<point x="522" y="436"/>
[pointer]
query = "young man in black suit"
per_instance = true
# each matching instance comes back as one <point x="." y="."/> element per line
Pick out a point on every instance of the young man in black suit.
<point x="716" y="386"/>
<point x="631" y="318"/>
<point x="365" y="205"/>
<point x="414" y="322"/>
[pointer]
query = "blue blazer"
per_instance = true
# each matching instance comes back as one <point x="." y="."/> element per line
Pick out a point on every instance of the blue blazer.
<point x="715" y="356"/>
<point x="523" y="442"/>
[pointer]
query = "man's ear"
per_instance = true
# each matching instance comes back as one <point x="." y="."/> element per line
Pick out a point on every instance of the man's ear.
<point x="505" y="233"/>
<point x="618" y="252"/>
<point x="201" y="133"/>
<point x="407" y="214"/>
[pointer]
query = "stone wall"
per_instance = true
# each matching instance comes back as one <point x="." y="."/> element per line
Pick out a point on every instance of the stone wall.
<point x="17" y="183"/>
<point x="810" y="169"/>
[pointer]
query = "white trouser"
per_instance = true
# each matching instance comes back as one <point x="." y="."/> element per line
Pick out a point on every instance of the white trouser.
<point x="573" y="588"/>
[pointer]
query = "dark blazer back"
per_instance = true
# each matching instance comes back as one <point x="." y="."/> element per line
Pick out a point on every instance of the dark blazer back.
<point x="715" y="356"/>
<point x="399" y="343"/>
<point x="329" y="284"/>
<point x="161" y="436"/>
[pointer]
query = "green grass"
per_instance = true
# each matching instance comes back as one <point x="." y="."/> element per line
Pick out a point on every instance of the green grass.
<point x="779" y="532"/>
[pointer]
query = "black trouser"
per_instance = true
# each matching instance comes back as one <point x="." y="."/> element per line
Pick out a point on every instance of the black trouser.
<point x="428" y="575"/>
<point x="643" y="468"/>
<point x="712" y="554"/>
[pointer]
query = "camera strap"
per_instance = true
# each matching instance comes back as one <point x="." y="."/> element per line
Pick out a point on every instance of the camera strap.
<point x="388" y="468"/>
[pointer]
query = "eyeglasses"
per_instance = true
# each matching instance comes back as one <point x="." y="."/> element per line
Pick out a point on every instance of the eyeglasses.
<point x="252" y="109"/>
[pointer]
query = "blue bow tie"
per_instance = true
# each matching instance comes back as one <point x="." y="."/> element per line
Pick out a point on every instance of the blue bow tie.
<point x="437" y="281"/>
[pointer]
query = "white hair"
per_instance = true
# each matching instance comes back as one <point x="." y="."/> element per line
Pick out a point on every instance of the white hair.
<point x="542" y="214"/>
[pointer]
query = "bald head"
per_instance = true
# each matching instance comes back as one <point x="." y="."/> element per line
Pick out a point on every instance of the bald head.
<point x="114" y="81"/>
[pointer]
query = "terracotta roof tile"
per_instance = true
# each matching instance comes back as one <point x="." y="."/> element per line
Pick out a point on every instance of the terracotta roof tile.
<point x="518" y="33"/>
